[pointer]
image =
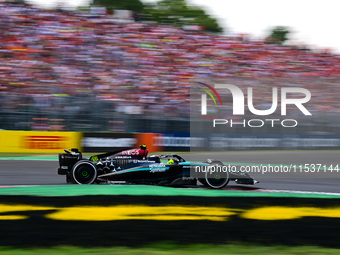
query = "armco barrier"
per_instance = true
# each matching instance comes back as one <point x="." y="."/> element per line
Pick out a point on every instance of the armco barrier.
<point x="38" y="141"/>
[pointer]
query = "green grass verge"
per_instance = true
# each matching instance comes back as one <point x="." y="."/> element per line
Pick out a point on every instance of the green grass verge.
<point x="145" y="190"/>
<point x="169" y="249"/>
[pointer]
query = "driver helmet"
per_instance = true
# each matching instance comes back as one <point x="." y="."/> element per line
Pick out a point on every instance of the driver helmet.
<point x="171" y="162"/>
<point x="143" y="147"/>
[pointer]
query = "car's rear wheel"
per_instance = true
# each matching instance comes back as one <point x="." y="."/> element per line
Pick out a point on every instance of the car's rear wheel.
<point x="217" y="177"/>
<point x="84" y="172"/>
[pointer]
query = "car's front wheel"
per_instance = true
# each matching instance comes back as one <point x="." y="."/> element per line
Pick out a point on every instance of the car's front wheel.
<point x="84" y="172"/>
<point x="217" y="177"/>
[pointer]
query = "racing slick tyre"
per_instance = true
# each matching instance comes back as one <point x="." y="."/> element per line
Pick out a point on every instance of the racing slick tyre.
<point x="84" y="172"/>
<point x="217" y="178"/>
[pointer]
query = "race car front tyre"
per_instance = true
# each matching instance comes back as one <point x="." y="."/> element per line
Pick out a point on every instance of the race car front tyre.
<point x="216" y="182"/>
<point x="217" y="177"/>
<point x="84" y="172"/>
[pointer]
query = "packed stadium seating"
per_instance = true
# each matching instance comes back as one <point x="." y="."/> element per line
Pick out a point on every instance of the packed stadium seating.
<point x="57" y="61"/>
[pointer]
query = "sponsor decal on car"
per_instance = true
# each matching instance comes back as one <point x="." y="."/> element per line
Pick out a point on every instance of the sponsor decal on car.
<point x="134" y="152"/>
<point x="158" y="168"/>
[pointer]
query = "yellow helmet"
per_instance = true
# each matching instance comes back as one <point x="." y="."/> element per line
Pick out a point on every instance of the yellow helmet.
<point x="170" y="161"/>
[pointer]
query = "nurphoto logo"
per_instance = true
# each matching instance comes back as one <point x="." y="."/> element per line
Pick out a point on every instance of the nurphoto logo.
<point x="239" y="105"/>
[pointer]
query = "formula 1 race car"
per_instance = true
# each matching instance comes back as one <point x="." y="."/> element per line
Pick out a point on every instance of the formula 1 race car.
<point x="136" y="167"/>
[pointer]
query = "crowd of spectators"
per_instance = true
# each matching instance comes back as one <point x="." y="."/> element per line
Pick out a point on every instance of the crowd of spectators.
<point x="54" y="62"/>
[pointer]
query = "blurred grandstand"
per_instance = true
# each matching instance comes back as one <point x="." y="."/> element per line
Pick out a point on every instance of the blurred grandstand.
<point x="78" y="71"/>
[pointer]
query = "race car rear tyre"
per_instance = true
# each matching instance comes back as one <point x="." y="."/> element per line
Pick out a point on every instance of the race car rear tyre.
<point x="218" y="177"/>
<point x="84" y="172"/>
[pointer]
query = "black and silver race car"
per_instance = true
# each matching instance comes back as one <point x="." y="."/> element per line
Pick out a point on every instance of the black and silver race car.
<point x="136" y="167"/>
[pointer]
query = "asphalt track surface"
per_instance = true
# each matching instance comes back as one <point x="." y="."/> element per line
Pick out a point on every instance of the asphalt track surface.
<point x="34" y="172"/>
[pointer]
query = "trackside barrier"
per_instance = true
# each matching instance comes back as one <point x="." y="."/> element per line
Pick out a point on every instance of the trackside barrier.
<point x="223" y="142"/>
<point x="175" y="141"/>
<point x="148" y="139"/>
<point x="103" y="142"/>
<point x="38" y="141"/>
<point x="54" y="142"/>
